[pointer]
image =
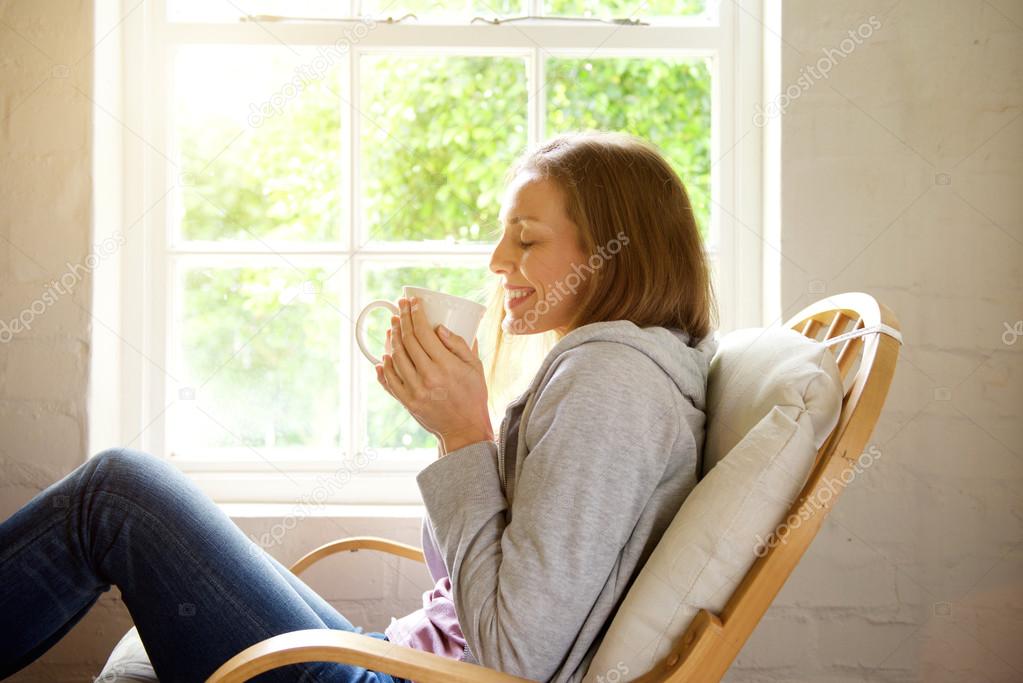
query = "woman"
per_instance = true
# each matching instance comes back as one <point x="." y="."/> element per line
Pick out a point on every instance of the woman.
<point x="533" y="538"/>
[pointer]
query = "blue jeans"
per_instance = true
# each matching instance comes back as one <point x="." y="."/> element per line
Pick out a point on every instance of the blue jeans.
<point x="198" y="589"/>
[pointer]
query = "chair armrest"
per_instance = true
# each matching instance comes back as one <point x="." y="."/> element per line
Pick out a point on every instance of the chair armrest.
<point x="358" y="543"/>
<point x="683" y="661"/>
<point x="346" y="647"/>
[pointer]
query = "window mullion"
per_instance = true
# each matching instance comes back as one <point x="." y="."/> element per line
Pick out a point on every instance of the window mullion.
<point x="161" y="175"/>
<point x="537" y="96"/>
<point x="356" y="426"/>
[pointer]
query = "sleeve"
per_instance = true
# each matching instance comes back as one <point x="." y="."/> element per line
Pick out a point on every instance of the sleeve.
<point x="598" y="439"/>
<point x="434" y="560"/>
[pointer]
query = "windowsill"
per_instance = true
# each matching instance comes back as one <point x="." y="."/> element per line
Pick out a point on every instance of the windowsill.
<point x="329" y="510"/>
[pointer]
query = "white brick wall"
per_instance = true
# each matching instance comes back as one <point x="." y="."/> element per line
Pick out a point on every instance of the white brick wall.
<point x="916" y="574"/>
<point x="44" y="223"/>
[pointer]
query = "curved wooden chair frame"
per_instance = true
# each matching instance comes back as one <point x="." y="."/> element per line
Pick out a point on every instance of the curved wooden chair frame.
<point x="712" y="641"/>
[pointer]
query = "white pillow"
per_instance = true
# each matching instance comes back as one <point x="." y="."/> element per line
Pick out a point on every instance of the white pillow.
<point x="773" y="398"/>
<point x="128" y="663"/>
<point x="756" y="369"/>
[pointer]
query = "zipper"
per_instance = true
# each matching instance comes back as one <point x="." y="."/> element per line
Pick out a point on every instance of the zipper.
<point x="500" y="451"/>
<point x="503" y="433"/>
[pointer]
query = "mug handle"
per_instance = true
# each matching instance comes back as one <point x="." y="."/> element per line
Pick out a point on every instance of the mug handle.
<point x="362" y="317"/>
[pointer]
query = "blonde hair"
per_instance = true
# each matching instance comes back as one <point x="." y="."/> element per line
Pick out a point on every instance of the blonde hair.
<point x="618" y="189"/>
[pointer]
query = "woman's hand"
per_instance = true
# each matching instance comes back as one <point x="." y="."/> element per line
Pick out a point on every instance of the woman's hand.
<point x="438" y="378"/>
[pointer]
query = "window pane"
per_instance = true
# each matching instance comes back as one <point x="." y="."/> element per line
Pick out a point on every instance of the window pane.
<point x="389" y="424"/>
<point x="258" y="135"/>
<point x="425" y="8"/>
<point x="666" y="101"/>
<point x="438" y="135"/>
<point x="624" y="9"/>
<point x="261" y="348"/>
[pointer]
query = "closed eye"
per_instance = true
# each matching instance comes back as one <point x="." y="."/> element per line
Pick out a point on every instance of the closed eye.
<point x="525" y="245"/>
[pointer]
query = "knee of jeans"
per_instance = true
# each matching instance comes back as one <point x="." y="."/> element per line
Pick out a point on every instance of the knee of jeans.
<point x="119" y="467"/>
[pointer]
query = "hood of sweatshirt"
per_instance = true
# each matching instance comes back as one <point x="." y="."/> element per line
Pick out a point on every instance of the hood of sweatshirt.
<point x="684" y="360"/>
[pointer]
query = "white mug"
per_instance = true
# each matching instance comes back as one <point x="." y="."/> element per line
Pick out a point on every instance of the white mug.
<point x="461" y="316"/>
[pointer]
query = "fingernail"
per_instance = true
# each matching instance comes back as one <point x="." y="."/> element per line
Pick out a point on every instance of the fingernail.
<point x="443" y="331"/>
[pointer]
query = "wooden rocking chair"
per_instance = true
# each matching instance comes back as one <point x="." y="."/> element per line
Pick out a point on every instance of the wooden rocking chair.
<point x="712" y="641"/>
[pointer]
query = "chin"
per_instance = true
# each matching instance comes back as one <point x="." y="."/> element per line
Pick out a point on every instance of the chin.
<point x="519" y="325"/>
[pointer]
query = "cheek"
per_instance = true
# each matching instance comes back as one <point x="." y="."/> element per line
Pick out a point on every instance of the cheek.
<point x="539" y="269"/>
<point x="549" y="269"/>
<point x="573" y="264"/>
<point x="577" y="275"/>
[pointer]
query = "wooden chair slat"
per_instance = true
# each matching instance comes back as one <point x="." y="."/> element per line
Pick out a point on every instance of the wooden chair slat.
<point x="811" y="327"/>
<point x="354" y="544"/>
<point x="838" y="323"/>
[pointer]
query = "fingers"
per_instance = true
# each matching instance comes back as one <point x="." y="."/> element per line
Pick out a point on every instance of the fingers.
<point x="414" y="318"/>
<point x="456" y="344"/>
<point x="392" y="382"/>
<point x="407" y="332"/>
<point x="388" y="374"/>
<point x="412" y="348"/>
<point x="379" y="367"/>
<point x="404" y="366"/>
<point x="381" y="380"/>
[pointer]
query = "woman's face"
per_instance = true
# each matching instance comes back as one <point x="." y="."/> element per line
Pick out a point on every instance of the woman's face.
<point x="536" y="254"/>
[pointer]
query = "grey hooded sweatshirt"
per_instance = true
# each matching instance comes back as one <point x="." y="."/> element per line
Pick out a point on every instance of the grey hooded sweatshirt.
<point x="543" y="533"/>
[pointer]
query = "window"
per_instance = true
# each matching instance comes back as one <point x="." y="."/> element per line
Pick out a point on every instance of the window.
<point x="284" y="172"/>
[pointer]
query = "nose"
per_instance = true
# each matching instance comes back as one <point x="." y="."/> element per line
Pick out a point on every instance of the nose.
<point x="501" y="260"/>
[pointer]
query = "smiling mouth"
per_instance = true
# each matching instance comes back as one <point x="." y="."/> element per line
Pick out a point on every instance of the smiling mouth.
<point x="513" y="300"/>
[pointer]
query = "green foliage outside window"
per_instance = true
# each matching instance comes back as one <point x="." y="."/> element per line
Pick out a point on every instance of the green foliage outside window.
<point x="437" y="135"/>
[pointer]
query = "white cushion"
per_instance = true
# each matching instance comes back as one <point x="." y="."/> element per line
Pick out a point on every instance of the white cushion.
<point x="756" y="369"/>
<point x="128" y="663"/>
<point x="773" y="398"/>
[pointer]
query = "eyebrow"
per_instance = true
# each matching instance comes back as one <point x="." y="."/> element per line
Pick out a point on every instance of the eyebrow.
<point x="519" y="219"/>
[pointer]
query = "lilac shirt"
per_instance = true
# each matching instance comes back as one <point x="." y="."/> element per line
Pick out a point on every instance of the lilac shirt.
<point x="434" y="628"/>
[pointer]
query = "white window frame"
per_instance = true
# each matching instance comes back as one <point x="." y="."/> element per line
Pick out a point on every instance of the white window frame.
<point x="134" y="313"/>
